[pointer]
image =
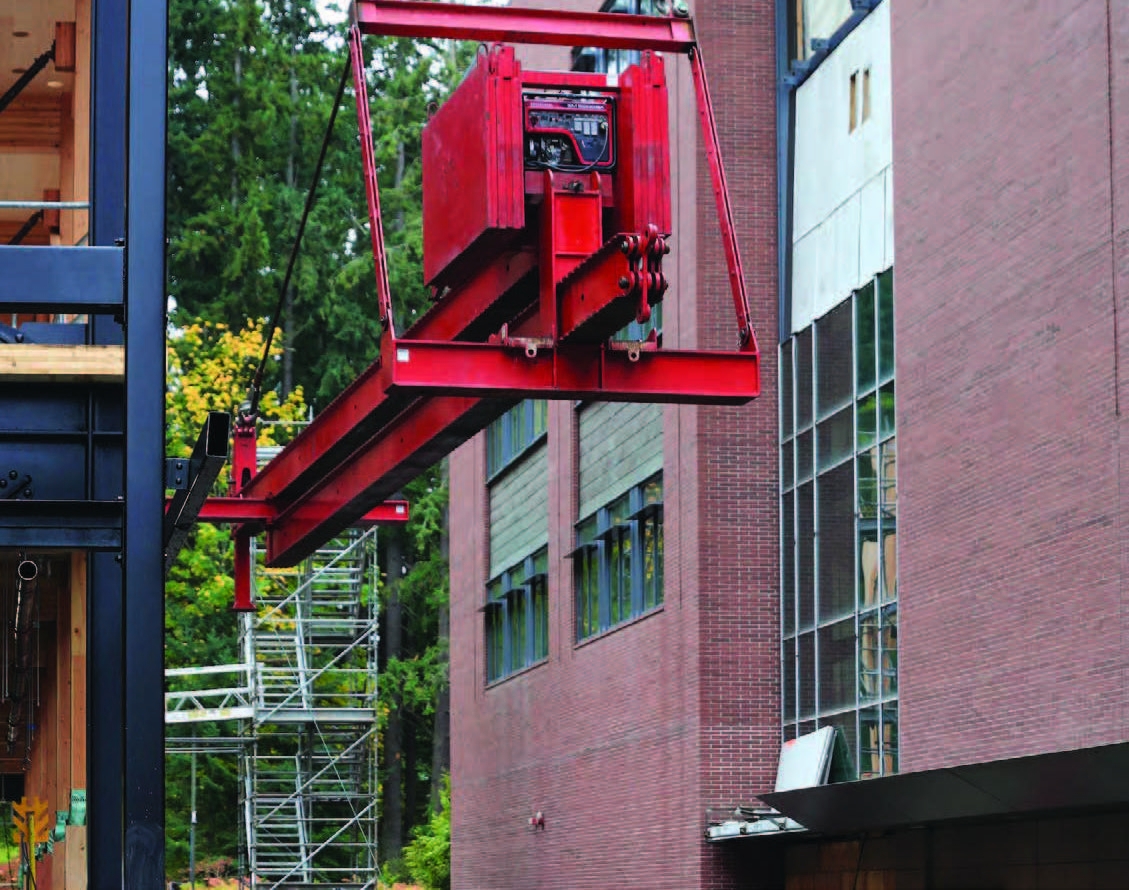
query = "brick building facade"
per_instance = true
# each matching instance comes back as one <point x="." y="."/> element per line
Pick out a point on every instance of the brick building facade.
<point x="968" y="395"/>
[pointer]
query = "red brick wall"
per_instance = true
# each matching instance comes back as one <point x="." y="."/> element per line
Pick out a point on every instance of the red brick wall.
<point x="623" y="742"/>
<point x="738" y="586"/>
<point x="1012" y="574"/>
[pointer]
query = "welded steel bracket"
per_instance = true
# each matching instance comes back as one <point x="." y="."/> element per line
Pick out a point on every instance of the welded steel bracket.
<point x="192" y="478"/>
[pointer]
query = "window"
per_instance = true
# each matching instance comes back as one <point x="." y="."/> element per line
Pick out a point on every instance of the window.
<point x="838" y="530"/>
<point x="816" y="20"/>
<point x="508" y="437"/>
<point x="517" y="617"/>
<point x="618" y="562"/>
<point x="613" y="61"/>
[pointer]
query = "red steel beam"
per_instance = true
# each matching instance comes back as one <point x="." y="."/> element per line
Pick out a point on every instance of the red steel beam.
<point x="578" y="372"/>
<point x="406" y="447"/>
<point x="235" y="511"/>
<point x="552" y="27"/>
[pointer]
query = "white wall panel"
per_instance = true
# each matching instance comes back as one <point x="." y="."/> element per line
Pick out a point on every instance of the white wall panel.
<point x="872" y="227"/>
<point x="842" y="204"/>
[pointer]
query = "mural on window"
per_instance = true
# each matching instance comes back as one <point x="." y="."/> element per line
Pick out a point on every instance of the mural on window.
<point x="839" y="569"/>
<point x="618" y="562"/>
<point x="517" y="617"/>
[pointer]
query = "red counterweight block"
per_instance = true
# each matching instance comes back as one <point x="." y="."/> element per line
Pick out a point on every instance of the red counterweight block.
<point x="473" y="195"/>
<point x="486" y="150"/>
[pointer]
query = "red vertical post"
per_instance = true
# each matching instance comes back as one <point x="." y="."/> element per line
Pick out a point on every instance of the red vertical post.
<point x="570" y="234"/>
<point x="372" y="189"/>
<point x="244" y="465"/>
<point x="746" y="337"/>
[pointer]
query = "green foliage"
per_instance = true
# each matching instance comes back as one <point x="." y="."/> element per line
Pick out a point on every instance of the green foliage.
<point x="209" y="366"/>
<point x="251" y="85"/>
<point x="428" y="857"/>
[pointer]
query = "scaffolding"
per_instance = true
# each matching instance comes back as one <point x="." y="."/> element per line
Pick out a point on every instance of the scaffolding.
<point x="304" y="696"/>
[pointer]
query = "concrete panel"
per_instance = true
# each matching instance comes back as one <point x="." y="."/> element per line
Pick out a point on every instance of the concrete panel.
<point x="620" y="446"/>
<point x="843" y="217"/>
<point x="872" y="228"/>
<point x="889" y="217"/>
<point x="832" y="161"/>
<point x="519" y="511"/>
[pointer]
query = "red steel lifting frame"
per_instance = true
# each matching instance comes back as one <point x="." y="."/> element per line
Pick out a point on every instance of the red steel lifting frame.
<point x="436" y="387"/>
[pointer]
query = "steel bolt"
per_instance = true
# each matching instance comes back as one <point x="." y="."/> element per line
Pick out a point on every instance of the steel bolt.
<point x="681" y="9"/>
<point x="623" y="282"/>
<point x="13" y="475"/>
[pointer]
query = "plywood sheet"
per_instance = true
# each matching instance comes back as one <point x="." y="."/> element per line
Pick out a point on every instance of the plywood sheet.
<point x="29" y="363"/>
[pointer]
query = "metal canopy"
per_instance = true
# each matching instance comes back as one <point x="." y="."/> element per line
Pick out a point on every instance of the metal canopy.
<point x="1086" y="778"/>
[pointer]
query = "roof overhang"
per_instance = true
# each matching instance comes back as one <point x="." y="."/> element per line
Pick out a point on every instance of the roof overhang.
<point x="1086" y="778"/>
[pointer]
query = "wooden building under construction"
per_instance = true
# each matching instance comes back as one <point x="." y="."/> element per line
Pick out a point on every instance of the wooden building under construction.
<point x="81" y="262"/>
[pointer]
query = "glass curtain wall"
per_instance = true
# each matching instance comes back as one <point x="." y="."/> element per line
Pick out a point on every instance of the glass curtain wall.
<point x="838" y="464"/>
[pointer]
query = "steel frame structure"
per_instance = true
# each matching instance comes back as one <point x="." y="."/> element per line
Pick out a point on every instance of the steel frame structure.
<point x="535" y="321"/>
<point x="101" y="487"/>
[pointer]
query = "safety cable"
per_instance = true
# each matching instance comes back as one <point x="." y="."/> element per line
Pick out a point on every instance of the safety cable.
<point x="254" y="393"/>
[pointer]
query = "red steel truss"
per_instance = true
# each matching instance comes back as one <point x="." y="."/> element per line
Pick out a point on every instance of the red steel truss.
<point x="531" y="285"/>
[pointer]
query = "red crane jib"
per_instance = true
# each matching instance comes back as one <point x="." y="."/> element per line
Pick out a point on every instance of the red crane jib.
<point x="547" y="215"/>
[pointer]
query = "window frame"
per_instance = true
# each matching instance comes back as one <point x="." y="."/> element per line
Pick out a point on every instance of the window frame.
<point x="503" y="447"/>
<point x="522" y="589"/>
<point x="601" y="558"/>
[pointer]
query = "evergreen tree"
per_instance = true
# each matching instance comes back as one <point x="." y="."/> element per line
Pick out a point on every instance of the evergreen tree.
<point x="252" y="85"/>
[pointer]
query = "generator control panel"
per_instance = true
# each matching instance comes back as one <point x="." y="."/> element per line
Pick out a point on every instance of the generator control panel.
<point x="569" y="132"/>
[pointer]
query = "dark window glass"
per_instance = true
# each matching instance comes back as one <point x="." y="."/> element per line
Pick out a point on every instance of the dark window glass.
<point x="540" y="620"/>
<point x="864" y="338"/>
<point x="788" y="671"/>
<point x="510" y="435"/>
<point x="805" y="545"/>
<point x="870" y="744"/>
<point x="886" y="411"/>
<point x="517" y="618"/>
<point x="837" y="666"/>
<point x="868" y="421"/>
<point x="806" y="669"/>
<point x="846" y="728"/>
<point x="652" y="537"/>
<point x="869" y="657"/>
<point x="787" y="426"/>
<point x="834" y="360"/>
<point x="868" y="484"/>
<point x="803" y="379"/>
<point x="836" y="539"/>
<point x="804" y="456"/>
<point x="890" y="738"/>
<point x="835" y="438"/>
<point x="889" y="651"/>
<point x="618" y="564"/>
<point x="886" y="325"/>
<point x="788" y="562"/>
<point x="787" y="466"/>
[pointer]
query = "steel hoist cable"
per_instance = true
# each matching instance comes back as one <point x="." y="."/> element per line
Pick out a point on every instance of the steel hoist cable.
<point x="255" y="391"/>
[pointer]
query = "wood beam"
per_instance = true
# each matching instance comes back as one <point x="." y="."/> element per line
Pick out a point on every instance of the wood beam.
<point x="32" y="124"/>
<point x="33" y="363"/>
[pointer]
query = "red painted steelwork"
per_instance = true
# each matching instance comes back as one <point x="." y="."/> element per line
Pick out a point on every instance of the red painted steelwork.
<point x="372" y="190"/>
<point x="632" y="373"/>
<point x="745" y="334"/>
<point x="260" y="514"/>
<point x="531" y="278"/>
<point x="405" y="18"/>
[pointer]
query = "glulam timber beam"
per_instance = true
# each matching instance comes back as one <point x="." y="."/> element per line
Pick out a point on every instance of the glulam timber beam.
<point x="36" y="363"/>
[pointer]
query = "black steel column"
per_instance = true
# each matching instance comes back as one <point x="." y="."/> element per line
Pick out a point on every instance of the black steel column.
<point x="106" y="721"/>
<point x="144" y="771"/>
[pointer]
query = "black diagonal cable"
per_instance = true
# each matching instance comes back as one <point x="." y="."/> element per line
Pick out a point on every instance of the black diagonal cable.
<point x="256" y="389"/>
